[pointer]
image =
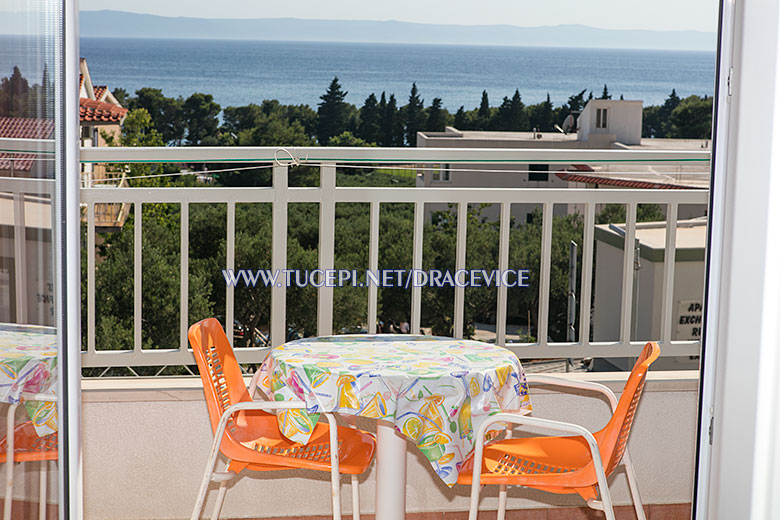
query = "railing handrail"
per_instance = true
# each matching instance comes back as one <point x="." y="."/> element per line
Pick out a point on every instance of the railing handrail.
<point x="316" y="155"/>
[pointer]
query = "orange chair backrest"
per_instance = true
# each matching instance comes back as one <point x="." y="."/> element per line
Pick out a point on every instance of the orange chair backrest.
<point x="223" y="382"/>
<point x="619" y="427"/>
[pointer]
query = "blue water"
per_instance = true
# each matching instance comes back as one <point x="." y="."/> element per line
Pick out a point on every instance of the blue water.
<point x="242" y="72"/>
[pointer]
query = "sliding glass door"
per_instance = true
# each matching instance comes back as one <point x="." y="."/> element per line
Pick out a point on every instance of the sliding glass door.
<point x="38" y="205"/>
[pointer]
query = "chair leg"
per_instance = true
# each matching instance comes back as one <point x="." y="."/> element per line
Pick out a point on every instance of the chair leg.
<point x="9" y="462"/>
<point x="221" y="495"/>
<point x="606" y="498"/>
<point x="355" y="498"/>
<point x="633" y="486"/>
<point x="501" y="502"/>
<point x="42" y="501"/>
<point x="335" y="477"/>
<point x="204" y="484"/>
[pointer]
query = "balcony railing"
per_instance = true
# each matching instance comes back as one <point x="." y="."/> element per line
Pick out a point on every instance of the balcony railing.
<point x="328" y="194"/>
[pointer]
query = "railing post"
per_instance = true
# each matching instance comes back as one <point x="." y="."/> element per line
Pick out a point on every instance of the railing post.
<point x="670" y="257"/>
<point x="628" y="274"/>
<point x="327" y="246"/>
<point x="458" y="317"/>
<point x="373" y="265"/>
<point x="544" y="274"/>
<point x="503" y="265"/>
<point x="587" y="272"/>
<point x="279" y="256"/>
<point x="137" y="283"/>
<point x="91" y="277"/>
<point x="417" y="253"/>
<point x="184" y="275"/>
<point x="20" y="257"/>
<point x="230" y="262"/>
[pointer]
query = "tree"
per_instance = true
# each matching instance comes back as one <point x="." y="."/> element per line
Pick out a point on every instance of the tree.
<point x="460" y="119"/>
<point x="200" y="113"/>
<point x="333" y="114"/>
<point x="15" y="96"/>
<point x="605" y="93"/>
<point x="167" y="113"/>
<point x="369" y="128"/>
<point x="692" y="118"/>
<point x="437" y="117"/>
<point x="414" y="114"/>
<point x="348" y="139"/>
<point x="392" y="125"/>
<point x="121" y="95"/>
<point x="511" y="114"/>
<point x="541" y="115"/>
<point x="484" y="114"/>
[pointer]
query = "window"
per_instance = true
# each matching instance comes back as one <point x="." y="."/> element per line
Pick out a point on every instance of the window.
<point x="601" y="118"/>
<point x="538" y="172"/>
<point x="440" y="173"/>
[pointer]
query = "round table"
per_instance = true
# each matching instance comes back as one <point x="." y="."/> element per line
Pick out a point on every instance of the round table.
<point x="28" y="364"/>
<point x="433" y="391"/>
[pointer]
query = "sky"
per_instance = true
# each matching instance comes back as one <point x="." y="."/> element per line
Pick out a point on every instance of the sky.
<point x="700" y="15"/>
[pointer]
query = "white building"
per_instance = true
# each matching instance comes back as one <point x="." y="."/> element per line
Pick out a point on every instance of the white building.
<point x="688" y="294"/>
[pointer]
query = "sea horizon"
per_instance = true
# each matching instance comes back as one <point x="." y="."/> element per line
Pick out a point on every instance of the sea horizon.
<point x="238" y="72"/>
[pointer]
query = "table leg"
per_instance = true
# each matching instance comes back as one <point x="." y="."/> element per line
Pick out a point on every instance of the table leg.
<point x="390" y="473"/>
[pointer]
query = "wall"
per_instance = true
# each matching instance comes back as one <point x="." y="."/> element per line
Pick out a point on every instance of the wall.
<point x="624" y="122"/>
<point x="145" y="451"/>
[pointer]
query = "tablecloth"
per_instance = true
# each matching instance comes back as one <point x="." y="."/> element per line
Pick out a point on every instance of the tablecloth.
<point x="28" y="363"/>
<point x="436" y="391"/>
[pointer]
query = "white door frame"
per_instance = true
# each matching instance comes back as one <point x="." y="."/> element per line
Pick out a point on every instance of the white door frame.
<point x="67" y="261"/>
<point x="740" y="398"/>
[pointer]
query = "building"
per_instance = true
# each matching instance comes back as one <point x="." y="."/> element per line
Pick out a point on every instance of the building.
<point x="602" y="124"/>
<point x="26" y="165"/>
<point x="101" y="117"/>
<point x="687" y="297"/>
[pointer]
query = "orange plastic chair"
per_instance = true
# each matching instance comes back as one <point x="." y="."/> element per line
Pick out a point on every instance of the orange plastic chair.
<point x="565" y="465"/>
<point x="248" y="436"/>
<point x="27" y="446"/>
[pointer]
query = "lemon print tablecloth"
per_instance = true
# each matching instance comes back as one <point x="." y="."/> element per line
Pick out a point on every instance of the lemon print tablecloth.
<point x="28" y="363"/>
<point x="436" y="391"/>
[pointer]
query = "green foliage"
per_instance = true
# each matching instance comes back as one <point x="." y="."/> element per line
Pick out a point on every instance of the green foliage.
<point x="20" y="99"/>
<point x="692" y="118"/>
<point x="201" y="114"/>
<point x="605" y="93"/>
<point x="166" y="113"/>
<point x="414" y="114"/>
<point x="616" y="213"/>
<point x="348" y="139"/>
<point x="437" y="117"/>
<point x="369" y="127"/>
<point x="333" y="113"/>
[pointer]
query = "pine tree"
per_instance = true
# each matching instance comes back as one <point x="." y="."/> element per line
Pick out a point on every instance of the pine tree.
<point x="460" y="119"/>
<point x="605" y="93"/>
<point x="414" y="116"/>
<point x="484" y="111"/>
<point x="396" y="124"/>
<point x="437" y="117"/>
<point x="518" y="115"/>
<point x="370" y="120"/>
<point x="14" y="95"/>
<point x="333" y="113"/>
<point x="503" y="119"/>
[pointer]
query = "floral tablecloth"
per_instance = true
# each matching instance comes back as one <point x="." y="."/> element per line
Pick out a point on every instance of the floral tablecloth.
<point x="28" y="363"/>
<point x="436" y="391"/>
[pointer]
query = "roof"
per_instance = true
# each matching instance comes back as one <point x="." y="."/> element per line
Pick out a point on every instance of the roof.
<point x="690" y="238"/>
<point x="23" y="128"/>
<point x="100" y="92"/>
<point x="622" y="183"/>
<point x="93" y="111"/>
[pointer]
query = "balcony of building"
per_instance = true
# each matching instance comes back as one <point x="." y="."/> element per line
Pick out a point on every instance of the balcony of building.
<point x="147" y="436"/>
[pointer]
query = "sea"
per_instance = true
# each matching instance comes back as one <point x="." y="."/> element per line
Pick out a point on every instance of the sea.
<point x="241" y="72"/>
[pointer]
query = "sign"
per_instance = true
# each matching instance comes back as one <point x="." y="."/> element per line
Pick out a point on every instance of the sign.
<point x="688" y="320"/>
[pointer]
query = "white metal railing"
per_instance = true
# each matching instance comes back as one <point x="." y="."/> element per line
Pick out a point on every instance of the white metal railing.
<point x="327" y="195"/>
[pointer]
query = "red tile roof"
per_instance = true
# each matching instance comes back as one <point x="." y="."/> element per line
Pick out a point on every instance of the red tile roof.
<point x="100" y="92"/>
<point x="623" y="183"/>
<point x="23" y="128"/>
<point x="93" y="111"/>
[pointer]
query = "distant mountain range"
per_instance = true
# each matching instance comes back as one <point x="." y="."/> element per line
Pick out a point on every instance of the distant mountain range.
<point x="119" y="24"/>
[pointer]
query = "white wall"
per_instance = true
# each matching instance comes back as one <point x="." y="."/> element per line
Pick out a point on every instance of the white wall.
<point x="624" y="121"/>
<point x="145" y="451"/>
